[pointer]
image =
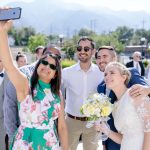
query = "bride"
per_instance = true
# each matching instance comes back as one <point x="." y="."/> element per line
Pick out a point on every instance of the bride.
<point x="128" y="117"/>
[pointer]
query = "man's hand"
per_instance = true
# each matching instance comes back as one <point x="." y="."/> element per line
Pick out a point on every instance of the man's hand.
<point x="138" y="91"/>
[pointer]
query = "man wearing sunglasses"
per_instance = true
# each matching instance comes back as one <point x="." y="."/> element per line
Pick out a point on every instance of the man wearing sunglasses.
<point x="105" y="55"/>
<point x="11" y="118"/>
<point x="80" y="80"/>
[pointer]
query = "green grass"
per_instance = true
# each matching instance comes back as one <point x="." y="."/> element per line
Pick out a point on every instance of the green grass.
<point x="67" y="63"/>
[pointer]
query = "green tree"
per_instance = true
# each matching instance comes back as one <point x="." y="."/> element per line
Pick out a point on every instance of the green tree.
<point x="37" y="40"/>
<point x="69" y="47"/>
<point x="108" y="39"/>
<point x="22" y="35"/>
<point x="53" y="38"/>
<point x="85" y="32"/>
<point x="124" y="34"/>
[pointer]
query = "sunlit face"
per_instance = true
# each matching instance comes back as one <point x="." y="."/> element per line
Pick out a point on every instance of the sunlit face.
<point x="104" y="57"/>
<point x="113" y="78"/>
<point x="22" y="61"/>
<point x="84" y="56"/>
<point x="45" y="72"/>
<point x="137" y="57"/>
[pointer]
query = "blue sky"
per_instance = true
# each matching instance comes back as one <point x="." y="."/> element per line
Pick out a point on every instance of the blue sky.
<point x="131" y="5"/>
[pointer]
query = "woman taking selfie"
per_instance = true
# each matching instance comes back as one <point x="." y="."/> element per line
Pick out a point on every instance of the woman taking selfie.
<point x="38" y="100"/>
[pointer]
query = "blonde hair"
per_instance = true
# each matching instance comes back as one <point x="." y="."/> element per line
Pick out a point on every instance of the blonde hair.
<point x="122" y="69"/>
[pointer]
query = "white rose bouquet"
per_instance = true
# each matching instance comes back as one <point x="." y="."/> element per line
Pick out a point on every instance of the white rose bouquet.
<point x="97" y="107"/>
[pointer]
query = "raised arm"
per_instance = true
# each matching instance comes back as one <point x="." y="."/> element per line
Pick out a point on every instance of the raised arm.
<point x="17" y="78"/>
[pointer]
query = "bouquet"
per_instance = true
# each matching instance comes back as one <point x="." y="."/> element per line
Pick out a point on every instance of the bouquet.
<point x="97" y="107"/>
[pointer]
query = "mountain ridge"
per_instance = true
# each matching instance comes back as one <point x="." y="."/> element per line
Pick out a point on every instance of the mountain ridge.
<point x="53" y="17"/>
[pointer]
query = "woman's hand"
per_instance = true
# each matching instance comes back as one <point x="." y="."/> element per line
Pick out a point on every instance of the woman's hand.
<point x="102" y="127"/>
<point x="5" y="25"/>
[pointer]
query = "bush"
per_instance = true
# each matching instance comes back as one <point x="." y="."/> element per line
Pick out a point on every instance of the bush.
<point x="67" y="63"/>
<point x="145" y="63"/>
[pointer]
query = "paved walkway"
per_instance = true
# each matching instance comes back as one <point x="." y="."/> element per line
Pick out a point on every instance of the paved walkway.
<point x="80" y="147"/>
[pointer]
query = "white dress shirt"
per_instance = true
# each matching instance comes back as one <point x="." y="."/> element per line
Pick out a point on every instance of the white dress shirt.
<point x="137" y="66"/>
<point x="79" y="84"/>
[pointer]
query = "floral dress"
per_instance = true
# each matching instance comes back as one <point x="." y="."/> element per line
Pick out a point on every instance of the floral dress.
<point x="38" y="116"/>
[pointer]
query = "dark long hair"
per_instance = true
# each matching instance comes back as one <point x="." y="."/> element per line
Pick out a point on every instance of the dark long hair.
<point x="55" y="83"/>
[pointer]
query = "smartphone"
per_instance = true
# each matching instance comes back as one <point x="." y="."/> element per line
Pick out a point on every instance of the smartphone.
<point x="10" y="14"/>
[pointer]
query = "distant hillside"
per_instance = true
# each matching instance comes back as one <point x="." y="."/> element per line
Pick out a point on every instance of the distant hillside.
<point x="49" y="16"/>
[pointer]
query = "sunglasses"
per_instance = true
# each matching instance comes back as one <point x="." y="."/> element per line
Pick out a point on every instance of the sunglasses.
<point x="58" y="56"/>
<point x="138" y="56"/>
<point x="45" y="63"/>
<point x="51" y="54"/>
<point x="86" y="49"/>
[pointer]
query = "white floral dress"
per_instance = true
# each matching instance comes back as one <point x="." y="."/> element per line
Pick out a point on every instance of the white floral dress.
<point x="38" y="117"/>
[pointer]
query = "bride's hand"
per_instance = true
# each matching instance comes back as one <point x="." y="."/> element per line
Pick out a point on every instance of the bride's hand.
<point x="102" y="127"/>
<point x="5" y="25"/>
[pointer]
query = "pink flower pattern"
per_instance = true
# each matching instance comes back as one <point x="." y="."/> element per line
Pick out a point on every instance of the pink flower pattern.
<point x="56" y="111"/>
<point x="50" y="138"/>
<point x="36" y="115"/>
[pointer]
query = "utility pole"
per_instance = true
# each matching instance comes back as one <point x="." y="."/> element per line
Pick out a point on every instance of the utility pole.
<point x="51" y="29"/>
<point x="68" y="32"/>
<point x="93" y="25"/>
<point x="143" y="23"/>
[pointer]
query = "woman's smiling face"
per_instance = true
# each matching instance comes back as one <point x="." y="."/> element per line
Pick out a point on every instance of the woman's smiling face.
<point x="113" y="77"/>
<point x="46" y="70"/>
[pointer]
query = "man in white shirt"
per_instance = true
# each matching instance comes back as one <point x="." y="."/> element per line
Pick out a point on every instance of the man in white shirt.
<point x="80" y="80"/>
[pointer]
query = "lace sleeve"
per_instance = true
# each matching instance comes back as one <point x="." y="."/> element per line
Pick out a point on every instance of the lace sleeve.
<point x="143" y="109"/>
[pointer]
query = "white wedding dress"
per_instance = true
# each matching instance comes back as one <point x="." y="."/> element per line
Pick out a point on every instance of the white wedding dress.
<point x="128" y="123"/>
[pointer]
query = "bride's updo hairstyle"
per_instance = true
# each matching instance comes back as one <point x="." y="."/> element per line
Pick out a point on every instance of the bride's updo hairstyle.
<point x="122" y="69"/>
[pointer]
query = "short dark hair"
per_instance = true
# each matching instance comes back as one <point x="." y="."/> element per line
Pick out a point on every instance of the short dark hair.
<point x="46" y="50"/>
<point x="20" y="55"/>
<point x="89" y="39"/>
<point x="107" y="47"/>
<point x="111" y="48"/>
<point x="39" y="47"/>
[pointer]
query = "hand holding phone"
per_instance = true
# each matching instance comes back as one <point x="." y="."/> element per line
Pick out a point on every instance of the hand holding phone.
<point x="10" y="14"/>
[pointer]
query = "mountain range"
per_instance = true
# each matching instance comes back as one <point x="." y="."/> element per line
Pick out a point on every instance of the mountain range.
<point x="53" y="17"/>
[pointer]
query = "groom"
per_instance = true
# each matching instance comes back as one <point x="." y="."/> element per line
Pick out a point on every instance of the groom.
<point x="105" y="55"/>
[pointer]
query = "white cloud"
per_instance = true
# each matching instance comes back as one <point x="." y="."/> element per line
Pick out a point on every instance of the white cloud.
<point x="5" y="2"/>
<point x="131" y="5"/>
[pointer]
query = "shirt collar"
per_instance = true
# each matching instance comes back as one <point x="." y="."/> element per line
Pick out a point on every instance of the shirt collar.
<point x="78" y="68"/>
